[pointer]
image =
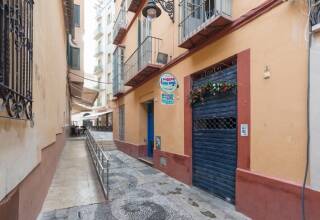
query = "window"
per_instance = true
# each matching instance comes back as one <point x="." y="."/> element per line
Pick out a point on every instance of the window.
<point x="16" y="64"/>
<point x="109" y="19"/>
<point x="109" y="38"/>
<point x="109" y="78"/>
<point x="109" y="58"/>
<point x="74" y="59"/>
<point x="121" y="122"/>
<point x="76" y="15"/>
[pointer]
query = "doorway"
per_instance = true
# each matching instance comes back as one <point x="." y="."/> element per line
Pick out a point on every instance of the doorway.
<point x="150" y="129"/>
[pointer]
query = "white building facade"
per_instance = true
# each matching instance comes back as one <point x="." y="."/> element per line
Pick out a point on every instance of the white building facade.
<point x="105" y="11"/>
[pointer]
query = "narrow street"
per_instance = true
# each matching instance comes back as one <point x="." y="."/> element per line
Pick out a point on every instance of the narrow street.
<point x="75" y="183"/>
<point x="136" y="191"/>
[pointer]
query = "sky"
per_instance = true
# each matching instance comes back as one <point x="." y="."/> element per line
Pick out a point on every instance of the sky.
<point x="89" y="43"/>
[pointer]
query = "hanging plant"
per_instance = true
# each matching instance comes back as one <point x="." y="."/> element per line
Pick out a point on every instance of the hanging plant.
<point x="200" y="94"/>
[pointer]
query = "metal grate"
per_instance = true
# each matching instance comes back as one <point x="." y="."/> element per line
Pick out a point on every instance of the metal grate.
<point x="121" y="122"/>
<point x="215" y="123"/>
<point x="16" y="44"/>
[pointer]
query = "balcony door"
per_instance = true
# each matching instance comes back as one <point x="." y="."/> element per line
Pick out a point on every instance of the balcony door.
<point x="144" y="43"/>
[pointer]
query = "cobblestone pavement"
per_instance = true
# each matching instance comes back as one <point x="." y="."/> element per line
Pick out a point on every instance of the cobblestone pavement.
<point x="139" y="192"/>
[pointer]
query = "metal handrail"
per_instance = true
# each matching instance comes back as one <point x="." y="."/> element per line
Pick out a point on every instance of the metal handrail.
<point x="100" y="161"/>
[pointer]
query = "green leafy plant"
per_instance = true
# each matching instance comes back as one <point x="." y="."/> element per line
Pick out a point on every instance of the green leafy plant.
<point x="200" y="94"/>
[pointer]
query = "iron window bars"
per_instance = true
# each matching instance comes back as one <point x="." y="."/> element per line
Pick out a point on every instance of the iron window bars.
<point x="16" y="27"/>
<point x="315" y="12"/>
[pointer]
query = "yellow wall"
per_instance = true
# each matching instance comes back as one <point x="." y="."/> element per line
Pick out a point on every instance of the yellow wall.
<point x="278" y="105"/>
<point x="20" y="144"/>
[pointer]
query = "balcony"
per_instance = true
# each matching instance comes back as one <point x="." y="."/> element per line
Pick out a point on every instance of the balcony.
<point x="98" y="52"/>
<point x="98" y="14"/>
<point x="144" y="62"/>
<point x="120" y="27"/>
<point x="201" y="19"/>
<point x="98" y="69"/>
<point x="98" y="32"/>
<point x="118" y="60"/>
<point x="133" y="5"/>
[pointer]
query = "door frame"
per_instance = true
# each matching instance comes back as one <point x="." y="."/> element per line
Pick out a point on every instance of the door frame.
<point x="150" y="128"/>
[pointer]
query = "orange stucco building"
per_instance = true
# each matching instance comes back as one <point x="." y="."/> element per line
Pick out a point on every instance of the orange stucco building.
<point x="246" y="145"/>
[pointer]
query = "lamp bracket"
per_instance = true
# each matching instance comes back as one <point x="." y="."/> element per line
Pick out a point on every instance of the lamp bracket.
<point x="167" y="6"/>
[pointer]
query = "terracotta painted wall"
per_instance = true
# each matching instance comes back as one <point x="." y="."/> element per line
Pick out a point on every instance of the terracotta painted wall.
<point x="20" y="144"/>
<point x="278" y="110"/>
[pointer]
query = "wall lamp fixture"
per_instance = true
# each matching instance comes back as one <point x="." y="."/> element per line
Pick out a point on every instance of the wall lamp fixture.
<point x="151" y="10"/>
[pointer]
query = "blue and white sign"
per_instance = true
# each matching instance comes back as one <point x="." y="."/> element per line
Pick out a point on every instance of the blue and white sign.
<point x="168" y="83"/>
<point x="167" y="98"/>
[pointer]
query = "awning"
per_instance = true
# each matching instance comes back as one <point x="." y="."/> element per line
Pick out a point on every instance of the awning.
<point x="95" y="115"/>
<point x="88" y="96"/>
<point x="78" y="107"/>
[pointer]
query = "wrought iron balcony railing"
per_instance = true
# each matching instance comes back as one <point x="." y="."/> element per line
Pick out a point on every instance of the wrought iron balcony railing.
<point x="144" y="61"/>
<point x="118" y="65"/>
<point x="201" y="18"/>
<point x="120" y="26"/>
<point x="98" y="69"/>
<point x="98" y="32"/>
<point x="98" y="51"/>
<point x="16" y="58"/>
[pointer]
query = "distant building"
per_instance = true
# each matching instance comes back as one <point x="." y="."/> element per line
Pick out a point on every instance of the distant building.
<point x="103" y="56"/>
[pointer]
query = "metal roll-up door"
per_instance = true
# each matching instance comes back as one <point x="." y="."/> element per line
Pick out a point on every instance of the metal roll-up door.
<point x="215" y="138"/>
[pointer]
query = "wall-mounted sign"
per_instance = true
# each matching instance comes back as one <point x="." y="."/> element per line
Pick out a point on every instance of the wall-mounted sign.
<point x="244" y="130"/>
<point x="167" y="98"/>
<point x="168" y="83"/>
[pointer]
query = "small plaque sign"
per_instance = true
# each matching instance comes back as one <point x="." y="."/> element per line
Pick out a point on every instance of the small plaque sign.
<point x="167" y="99"/>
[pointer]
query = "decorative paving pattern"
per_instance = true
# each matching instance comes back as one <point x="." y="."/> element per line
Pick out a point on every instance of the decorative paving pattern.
<point x="139" y="192"/>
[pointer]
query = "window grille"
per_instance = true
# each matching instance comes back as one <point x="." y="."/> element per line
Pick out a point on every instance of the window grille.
<point x="76" y="15"/>
<point x="74" y="58"/>
<point x="121" y="122"/>
<point x="315" y="12"/>
<point x="16" y="52"/>
<point x="215" y="123"/>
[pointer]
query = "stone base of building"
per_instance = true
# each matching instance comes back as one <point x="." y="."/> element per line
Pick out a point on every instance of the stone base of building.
<point x="26" y="200"/>
<point x="133" y="150"/>
<point x="261" y="197"/>
<point x="174" y="165"/>
<point x="257" y="196"/>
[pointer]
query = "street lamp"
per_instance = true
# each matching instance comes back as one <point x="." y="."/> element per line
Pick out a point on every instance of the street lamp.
<point x="151" y="10"/>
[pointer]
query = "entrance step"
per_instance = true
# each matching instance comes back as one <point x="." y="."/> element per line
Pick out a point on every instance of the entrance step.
<point x="146" y="160"/>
